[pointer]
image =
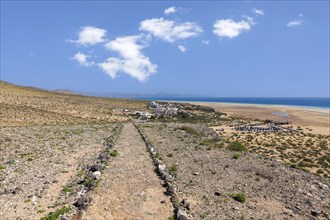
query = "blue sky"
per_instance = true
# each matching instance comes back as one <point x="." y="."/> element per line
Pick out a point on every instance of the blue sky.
<point x="210" y="48"/>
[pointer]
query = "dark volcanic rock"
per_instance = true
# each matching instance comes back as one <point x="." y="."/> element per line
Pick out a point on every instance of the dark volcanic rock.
<point x="96" y="167"/>
<point x="82" y="203"/>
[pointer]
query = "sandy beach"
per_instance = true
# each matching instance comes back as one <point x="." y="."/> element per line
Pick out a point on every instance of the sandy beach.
<point x="316" y="119"/>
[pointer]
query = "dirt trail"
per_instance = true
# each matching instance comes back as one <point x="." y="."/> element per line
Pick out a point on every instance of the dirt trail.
<point x="129" y="188"/>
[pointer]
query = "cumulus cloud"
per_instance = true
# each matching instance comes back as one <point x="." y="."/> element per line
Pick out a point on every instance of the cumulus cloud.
<point x="82" y="59"/>
<point x="258" y="11"/>
<point x="230" y="28"/>
<point x="170" y="10"/>
<point x="89" y="35"/>
<point x="169" y="30"/>
<point x="132" y="61"/>
<point x="206" y="42"/>
<point x="182" y="48"/>
<point x="294" y="23"/>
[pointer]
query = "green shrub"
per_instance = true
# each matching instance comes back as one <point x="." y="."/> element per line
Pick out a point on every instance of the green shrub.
<point x="91" y="183"/>
<point x="67" y="189"/>
<point x="237" y="146"/>
<point x="240" y="197"/>
<point x="159" y="156"/>
<point x="2" y="167"/>
<point x="236" y="156"/>
<point x="173" y="170"/>
<point x="114" y="153"/>
<point x="55" y="215"/>
<point x="170" y="155"/>
<point x="190" y="130"/>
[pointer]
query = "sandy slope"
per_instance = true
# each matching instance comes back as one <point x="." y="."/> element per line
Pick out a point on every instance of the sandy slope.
<point x="24" y="106"/>
<point x="315" y="118"/>
<point x="130" y="189"/>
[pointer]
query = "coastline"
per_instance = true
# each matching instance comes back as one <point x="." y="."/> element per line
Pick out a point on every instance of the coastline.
<point x="231" y="104"/>
<point x="317" y="119"/>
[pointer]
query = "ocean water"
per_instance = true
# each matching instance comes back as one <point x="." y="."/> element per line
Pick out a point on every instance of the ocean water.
<point x="304" y="102"/>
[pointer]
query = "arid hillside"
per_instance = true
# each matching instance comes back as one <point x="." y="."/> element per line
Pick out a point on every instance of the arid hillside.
<point x="69" y="157"/>
<point x="22" y="106"/>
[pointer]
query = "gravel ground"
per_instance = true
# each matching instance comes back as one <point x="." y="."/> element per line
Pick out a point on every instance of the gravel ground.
<point x="129" y="188"/>
<point x="38" y="161"/>
<point x="208" y="177"/>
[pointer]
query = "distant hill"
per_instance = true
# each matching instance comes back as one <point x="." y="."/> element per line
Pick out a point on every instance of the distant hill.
<point x="157" y="96"/>
<point x="66" y="91"/>
<point x="20" y="106"/>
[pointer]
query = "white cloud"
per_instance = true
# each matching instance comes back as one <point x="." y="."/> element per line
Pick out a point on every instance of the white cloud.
<point x="230" y="28"/>
<point x="206" y="42"/>
<point x="169" y="30"/>
<point x="90" y="36"/>
<point x="301" y="15"/>
<point x="170" y="10"/>
<point x="249" y="19"/>
<point x="82" y="59"/>
<point x="182" y="48"/>
<point x="132" y="61"/>
<point x="173" y="9"/>
<point x="258" y="11"/>
<point x="294" y="23"/>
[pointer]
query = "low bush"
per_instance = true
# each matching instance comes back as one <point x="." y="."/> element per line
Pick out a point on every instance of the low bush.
<point x="55" y="215"/>
<point x="190" y="130"/>
<point x="67" y="189"/>
<point x="236" y="156"/>
<point x="159" y="156"/>
<point x="173" y="170"/>
<point x="114" y="153"/>
<point x="237" y="146"/>
<point x="240" y="197"/>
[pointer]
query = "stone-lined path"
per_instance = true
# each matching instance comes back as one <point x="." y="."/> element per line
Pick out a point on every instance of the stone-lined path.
<point x="129" y="188"/>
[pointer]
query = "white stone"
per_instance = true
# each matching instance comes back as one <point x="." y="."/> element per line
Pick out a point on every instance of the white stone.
<point x="96" y="175"/>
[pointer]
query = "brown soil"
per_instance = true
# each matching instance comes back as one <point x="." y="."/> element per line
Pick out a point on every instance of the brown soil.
<point x="129" y="188"/>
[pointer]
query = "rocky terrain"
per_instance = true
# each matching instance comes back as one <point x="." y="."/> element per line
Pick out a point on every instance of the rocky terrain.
<point x="214" y="182"/>
<point x="66" y="156"/>
<point x="37" y="163"/>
